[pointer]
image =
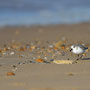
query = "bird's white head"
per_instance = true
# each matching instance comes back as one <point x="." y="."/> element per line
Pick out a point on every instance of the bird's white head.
<point x="72" y="47"/>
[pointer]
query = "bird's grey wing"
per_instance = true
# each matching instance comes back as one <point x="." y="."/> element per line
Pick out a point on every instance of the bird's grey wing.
<point x="83" y="47"/>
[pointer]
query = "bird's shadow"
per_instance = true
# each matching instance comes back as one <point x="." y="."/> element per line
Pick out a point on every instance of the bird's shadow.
<point x="86" y="59"/>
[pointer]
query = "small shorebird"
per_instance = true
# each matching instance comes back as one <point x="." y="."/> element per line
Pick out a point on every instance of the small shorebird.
<point x="79" y="50"/>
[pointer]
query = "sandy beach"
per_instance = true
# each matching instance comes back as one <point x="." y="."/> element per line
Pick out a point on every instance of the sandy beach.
<point x="26" y="55"/>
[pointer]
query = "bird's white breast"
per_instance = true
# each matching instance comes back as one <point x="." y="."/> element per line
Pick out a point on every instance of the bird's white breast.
<point x="78" y="50"/>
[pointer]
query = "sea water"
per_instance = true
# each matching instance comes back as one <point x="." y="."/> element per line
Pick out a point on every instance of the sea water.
<point x="35" y="12"/>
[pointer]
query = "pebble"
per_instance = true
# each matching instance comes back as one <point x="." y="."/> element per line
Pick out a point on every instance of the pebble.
<point x="19" y="63"/>
<point x="45" y="58"/>
<point x="10" y="74"/>
<point x="31" y="61"/>
<point x="14" y="66"/>
<point x="70" y="74"/>
<point x="40" y="60"/>
<point x="37" y="52"/>
<point x="12" y="53"/>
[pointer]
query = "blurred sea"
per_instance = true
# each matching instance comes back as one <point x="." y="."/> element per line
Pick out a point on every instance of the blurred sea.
<point x="29" y="12"/>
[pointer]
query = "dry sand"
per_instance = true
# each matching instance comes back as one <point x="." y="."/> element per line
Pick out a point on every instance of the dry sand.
<point x="31" y="75"/>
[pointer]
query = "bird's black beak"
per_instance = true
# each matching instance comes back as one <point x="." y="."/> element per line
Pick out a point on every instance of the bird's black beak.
<point x="70" y="50"/>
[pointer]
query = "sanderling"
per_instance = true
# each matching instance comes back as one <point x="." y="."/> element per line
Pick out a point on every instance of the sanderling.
<point x="78" y="49"/>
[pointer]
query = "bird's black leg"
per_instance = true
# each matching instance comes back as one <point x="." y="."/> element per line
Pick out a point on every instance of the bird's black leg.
<point x="81" y="57"/>
<point x="77" y="57"/>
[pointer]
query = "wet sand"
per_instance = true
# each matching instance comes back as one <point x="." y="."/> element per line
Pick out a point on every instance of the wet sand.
<point x="28" y="53"/>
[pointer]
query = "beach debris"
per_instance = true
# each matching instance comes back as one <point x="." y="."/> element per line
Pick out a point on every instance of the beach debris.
<point x="52" y="60"/>
<point x="60" y="45"/>
<point x="22" y="49"/>
<point x="39" y="52"/>
<point x="4" y="53"/>
<point x="84" y="54"/>
<point x="55" y="48"/>
<point x="39" y="60"/>
<point x="15" y="45"/>
<point x="63" y="53"/>
<point x="5" y="49"/>
<point x="12" y="53"/>
<point x="31" y="61"/>
<point x="63" y="47"/>
<point x="10" y="74"/>
<point x="33" y="47"/>
<point x="8" y="48"/>
<point x="51" y="46"/>
<point x="67" y="48"/>
<point x="21" y="55"/>
<point x="14" y="66"/>
<point x="45" y="58"/>
<point x="19" y="63"/>
<point x="0" y="50"/>
<point x="27" y="46"/>
<point x="63" y="61"/>
<point x="70" y="74"/>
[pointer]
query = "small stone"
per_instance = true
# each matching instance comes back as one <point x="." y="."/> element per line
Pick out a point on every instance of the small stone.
<point x="33" y="47"/>
<point x="45" y="58"/>
<point x="33" y="58"/>
<point x="31" y="61"/>
<point x="22" y="49"/>
<point x="52" y="60"/>
<point x="19" y="63"/>
<point x="14" y="66"/>
<point x="40" y="60"/>
<point x="70" y="74"/>
<point x="23" y="63"/>
<point x="12" y="53"/>
<point x="4" y="53"/>
<point x="10" y="74"/>
<point x="51" y="46"/>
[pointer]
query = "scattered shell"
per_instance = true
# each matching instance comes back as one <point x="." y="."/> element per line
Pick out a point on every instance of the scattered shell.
<point x="8" y="48"/>
<point x="45" y="58"/>
<point x="63" y="61"/>
<point x="51" y="46"/>
<point x="14" y="66"/>
<point x="27" y="46"/>
<point x="40" y="60"/>
<point x="15" y="45"/>
<point x="84" y="54"/>
<point x="4" y="53"/>
<point x="55" y="48"/>
<point x="63" y="47"/>
<point x="33" y="47"/>
<point x="10" y="74"/>
<point x="60" y="45"/>
<point x="12" y="53"/>
<point x="67" y="48"/>
<point x="70" y="74"/>
<point x="22" y="49"/>
<point x="0" y="50"/>
<point x="5" y="49"/>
